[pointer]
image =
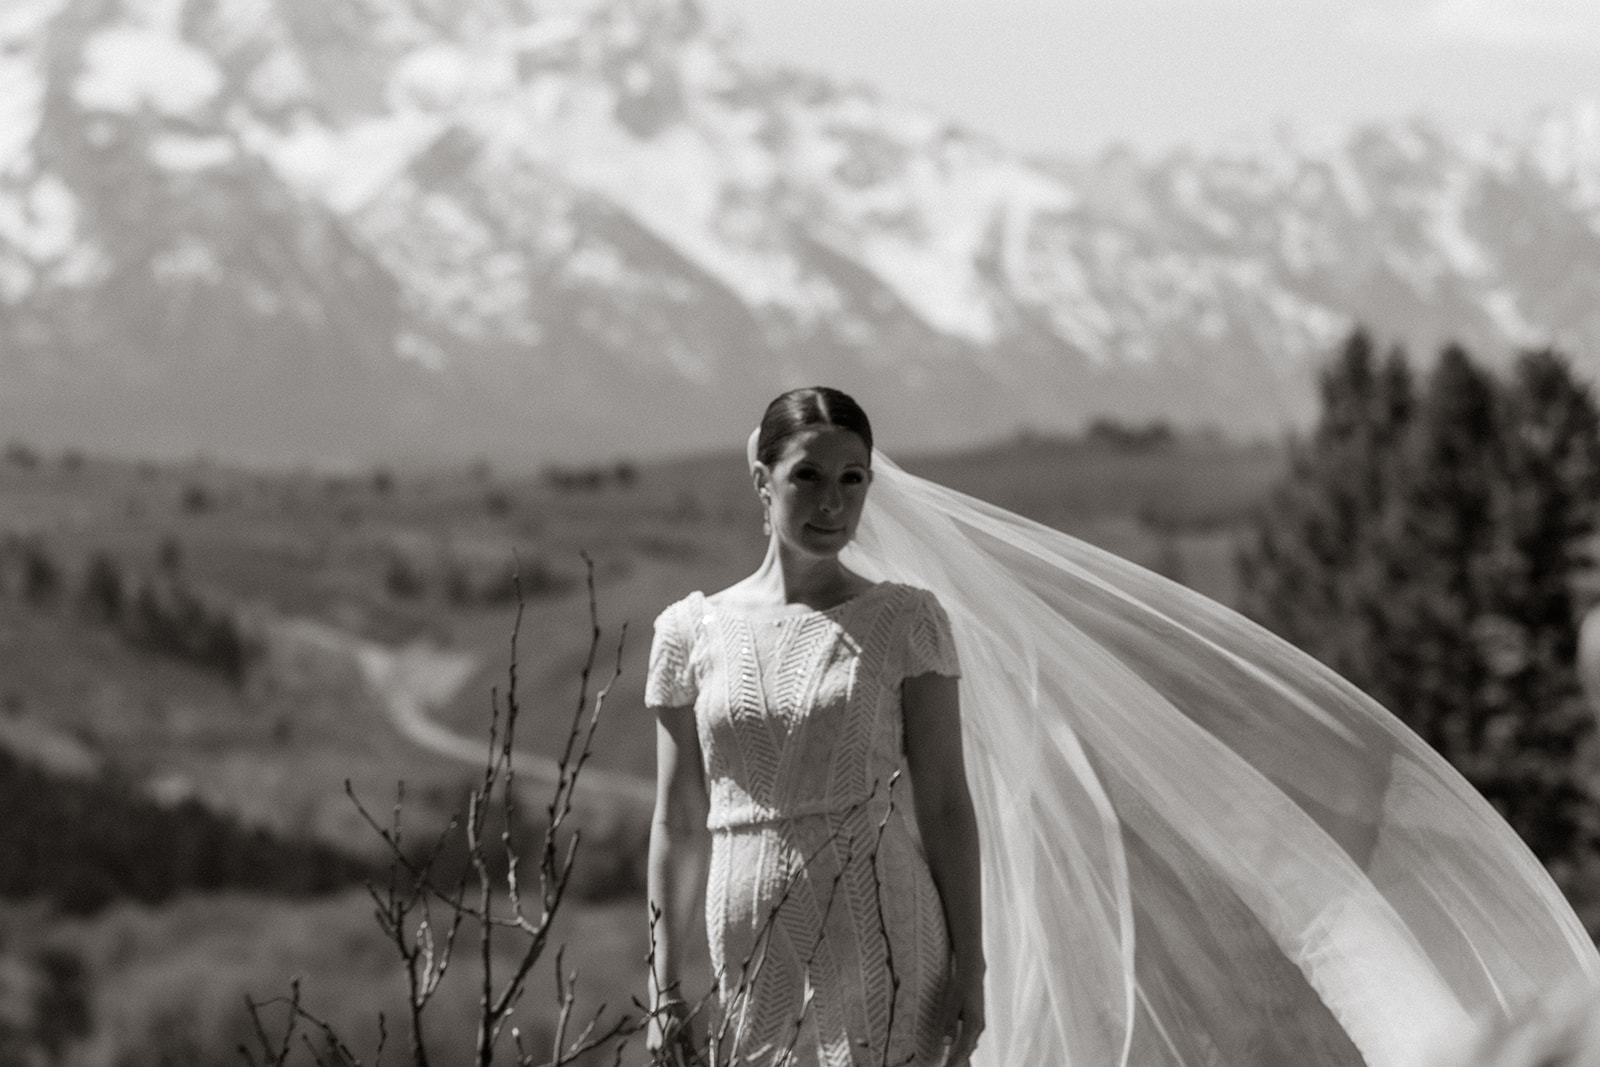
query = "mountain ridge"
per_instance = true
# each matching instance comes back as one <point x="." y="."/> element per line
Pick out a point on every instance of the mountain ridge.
<point x="338" y="230"/>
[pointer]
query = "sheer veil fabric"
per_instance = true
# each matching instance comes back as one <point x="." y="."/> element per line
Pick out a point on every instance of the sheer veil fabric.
<point x="1200" y="846"/>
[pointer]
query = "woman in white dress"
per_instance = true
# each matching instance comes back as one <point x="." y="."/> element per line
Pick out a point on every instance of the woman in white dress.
<point x="1197" y="845"/>
<point x="788" y="705"/>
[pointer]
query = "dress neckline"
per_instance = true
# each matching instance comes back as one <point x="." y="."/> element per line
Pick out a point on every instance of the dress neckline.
<point x="791" y="616"/>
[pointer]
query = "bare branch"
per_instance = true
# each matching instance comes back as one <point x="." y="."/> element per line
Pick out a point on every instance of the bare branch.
<point x="276" y="1052"/>
<point x="883" y="924"/>
<point x="422" y="918"/>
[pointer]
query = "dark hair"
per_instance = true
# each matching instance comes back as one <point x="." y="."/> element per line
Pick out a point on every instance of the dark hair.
<point x="801" y="409"/>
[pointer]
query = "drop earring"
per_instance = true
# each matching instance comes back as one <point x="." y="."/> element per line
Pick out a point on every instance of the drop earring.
<point x="766" y="515"/>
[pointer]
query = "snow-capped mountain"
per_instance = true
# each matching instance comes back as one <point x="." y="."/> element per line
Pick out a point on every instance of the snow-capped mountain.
<point x="342" y="228"/>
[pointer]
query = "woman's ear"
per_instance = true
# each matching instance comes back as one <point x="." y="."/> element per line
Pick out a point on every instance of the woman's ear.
<point x="761" y="478"/>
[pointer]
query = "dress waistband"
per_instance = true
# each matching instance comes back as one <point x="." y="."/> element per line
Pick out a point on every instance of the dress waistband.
<point x="751" y="815"/>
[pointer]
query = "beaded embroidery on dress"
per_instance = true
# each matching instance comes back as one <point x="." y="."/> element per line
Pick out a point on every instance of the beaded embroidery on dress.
<point x="826" y="931"/>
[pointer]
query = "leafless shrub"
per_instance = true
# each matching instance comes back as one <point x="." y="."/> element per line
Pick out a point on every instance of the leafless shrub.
<point x="429" y="919"/>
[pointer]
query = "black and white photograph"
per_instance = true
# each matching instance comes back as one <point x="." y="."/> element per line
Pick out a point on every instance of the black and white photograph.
<point x="799" y="533"/>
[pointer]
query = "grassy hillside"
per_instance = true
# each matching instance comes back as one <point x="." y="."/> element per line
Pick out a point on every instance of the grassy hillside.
<point x="392" y="557"/>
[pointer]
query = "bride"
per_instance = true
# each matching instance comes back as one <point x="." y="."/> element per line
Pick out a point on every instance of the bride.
<point x="1197" y="845"/>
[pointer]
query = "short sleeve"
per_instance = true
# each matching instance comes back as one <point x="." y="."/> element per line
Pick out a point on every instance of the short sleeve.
<point x="930" y="645"/>
<point x="669" y="683"/>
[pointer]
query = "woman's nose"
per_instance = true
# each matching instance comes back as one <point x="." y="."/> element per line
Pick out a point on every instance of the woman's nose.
<point x="832" y="499"/>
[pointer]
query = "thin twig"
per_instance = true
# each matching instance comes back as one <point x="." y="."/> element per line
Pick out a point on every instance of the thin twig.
<point x="883" y="924"/>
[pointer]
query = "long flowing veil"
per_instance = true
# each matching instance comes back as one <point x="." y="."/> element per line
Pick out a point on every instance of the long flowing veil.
<point x="1199" y="845"/>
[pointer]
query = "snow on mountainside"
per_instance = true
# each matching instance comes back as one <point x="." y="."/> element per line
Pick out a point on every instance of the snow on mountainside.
<point x="341" y="228"/>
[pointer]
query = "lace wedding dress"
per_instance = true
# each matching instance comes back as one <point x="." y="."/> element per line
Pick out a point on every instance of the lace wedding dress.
<point x="826" y="932"/>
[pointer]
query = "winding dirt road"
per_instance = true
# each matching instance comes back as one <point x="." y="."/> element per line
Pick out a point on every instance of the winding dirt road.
<point x="418" y="678"/>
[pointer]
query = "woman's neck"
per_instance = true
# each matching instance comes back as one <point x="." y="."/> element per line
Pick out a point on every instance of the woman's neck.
<point x="793" y="578"/>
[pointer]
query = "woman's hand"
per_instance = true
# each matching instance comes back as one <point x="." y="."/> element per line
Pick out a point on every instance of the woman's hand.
<point x="669" y="1037"/>
<point x="964" y="1018"/>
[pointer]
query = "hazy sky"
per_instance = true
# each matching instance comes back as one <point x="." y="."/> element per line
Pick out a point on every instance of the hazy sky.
<point x="1070" y="76"/>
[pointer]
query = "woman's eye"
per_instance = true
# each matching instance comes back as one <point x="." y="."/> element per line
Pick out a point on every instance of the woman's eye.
<point x="853" y="478"/>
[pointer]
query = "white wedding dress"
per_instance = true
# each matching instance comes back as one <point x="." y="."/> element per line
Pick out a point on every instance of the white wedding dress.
<point x="826" y="932"/>
<point x="1200" y="846"/>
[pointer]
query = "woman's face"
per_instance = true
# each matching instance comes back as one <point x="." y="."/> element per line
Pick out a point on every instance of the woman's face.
<point x="816" y="489"/>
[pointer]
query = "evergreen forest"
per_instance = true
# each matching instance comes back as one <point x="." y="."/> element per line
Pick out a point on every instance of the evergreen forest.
<point x="1432" y="541"/>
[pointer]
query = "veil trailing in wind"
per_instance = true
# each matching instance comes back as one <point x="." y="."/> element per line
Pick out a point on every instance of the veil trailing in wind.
<point x="1200" y="846"/>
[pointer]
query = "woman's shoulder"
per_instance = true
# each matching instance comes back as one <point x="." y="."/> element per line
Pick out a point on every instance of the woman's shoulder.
<point x="682" y="614"/>
<point x="732" y="597"/>
<point x="925" y="630"/>
<point x="910" y="607"/>
<point x="906" y="597"/>
<point x="899" y="597"/>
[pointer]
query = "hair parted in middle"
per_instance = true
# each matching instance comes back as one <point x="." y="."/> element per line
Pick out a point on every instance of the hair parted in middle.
<point x="801" y="409"/>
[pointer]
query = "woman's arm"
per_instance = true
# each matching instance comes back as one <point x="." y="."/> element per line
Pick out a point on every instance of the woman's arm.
<point x="676" y="866"/>
<point x="949" y="830"/>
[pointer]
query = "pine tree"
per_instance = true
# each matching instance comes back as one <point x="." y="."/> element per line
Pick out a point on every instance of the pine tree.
<point x="102" y="594"/>
<point x="1315" y="570"/>
<point x="1426" y="547"/>
<point x="41" y="577"/>
<point x="1443" y="560"/>
<point x="1548" y="515"/>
